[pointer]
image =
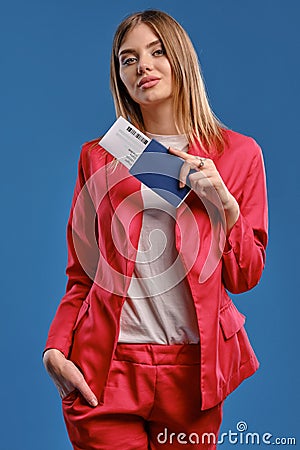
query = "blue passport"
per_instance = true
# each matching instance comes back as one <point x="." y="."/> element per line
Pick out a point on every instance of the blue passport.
<point x="147" y="160"/>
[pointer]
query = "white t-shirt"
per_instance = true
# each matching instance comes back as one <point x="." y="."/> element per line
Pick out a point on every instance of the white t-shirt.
<point x="159" y="307"/>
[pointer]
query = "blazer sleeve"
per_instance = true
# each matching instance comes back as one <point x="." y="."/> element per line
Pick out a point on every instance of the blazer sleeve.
<point x="244" y="253"/>
<point x="82" y="262"/>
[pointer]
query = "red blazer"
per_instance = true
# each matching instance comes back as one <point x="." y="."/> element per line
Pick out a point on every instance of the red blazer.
<point x="103" y="234"/>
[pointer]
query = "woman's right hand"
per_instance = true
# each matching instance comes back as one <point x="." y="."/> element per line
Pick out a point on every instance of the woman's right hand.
<point x="66" y="376"/>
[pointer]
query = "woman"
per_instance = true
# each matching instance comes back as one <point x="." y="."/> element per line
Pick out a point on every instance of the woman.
<point x="146" y="343"/>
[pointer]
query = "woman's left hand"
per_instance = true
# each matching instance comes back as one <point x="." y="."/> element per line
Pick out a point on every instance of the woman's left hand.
<point x="208" y="184"/>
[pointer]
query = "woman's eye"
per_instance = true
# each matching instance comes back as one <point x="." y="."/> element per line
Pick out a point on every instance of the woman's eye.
<point x="128" y="61"/>
<point x="159" y="52"/>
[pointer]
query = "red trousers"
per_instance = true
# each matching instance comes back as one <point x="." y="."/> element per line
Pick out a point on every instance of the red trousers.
<point x="152" y="401"/>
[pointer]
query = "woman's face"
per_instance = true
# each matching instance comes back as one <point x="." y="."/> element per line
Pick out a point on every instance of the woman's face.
<point x="144" y="68"/>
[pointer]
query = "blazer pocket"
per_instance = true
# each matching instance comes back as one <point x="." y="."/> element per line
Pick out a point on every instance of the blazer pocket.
<point x="82" y="312"/>
<point x="231" y="320"/>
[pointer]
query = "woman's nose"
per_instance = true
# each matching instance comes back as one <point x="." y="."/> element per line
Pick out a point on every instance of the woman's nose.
<point x="144" y="65"/>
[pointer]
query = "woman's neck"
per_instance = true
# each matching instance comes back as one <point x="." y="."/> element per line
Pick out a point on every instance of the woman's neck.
<point x="159" y="120"/>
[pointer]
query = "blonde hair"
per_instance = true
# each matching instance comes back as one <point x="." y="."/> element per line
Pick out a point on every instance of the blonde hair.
<point x="193" y="115"/>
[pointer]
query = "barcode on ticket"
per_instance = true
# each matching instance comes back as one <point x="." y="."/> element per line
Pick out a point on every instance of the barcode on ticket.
<point x="137" y="135"/>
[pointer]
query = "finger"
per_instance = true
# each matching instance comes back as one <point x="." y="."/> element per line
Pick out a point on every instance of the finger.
<point x="176" y="152"/>
<point x="192" y="159"/>
<point x="87" y="393"/>
<point x="70" y="378"/>
<point x="186" y="156"/>
<point x="190" y="162"/>
<point x="198" y="182"/>
<point x="185" y="168"/>
<point x="184" y="171"/>
<point x="196" y="176"/>
<point x="195" y="161"/>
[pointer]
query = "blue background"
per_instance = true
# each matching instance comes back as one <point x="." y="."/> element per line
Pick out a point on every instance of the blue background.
<point x="54" y="97"/>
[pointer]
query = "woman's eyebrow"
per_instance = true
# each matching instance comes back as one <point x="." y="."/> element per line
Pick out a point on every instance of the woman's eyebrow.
<point x="131" y="50"/>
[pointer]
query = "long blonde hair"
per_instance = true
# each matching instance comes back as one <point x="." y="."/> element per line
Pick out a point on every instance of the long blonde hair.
<point x="194" y="116"/>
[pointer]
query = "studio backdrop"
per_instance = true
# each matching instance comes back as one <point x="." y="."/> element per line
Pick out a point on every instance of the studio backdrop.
<point x="54" y="97"/>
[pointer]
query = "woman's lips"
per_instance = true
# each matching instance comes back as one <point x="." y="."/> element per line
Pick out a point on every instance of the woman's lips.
<point x="148" y="82"/>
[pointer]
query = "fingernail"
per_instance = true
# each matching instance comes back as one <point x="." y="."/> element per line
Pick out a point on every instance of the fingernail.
<point x="94" y="402"/>
<point x="181" y="184"/>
